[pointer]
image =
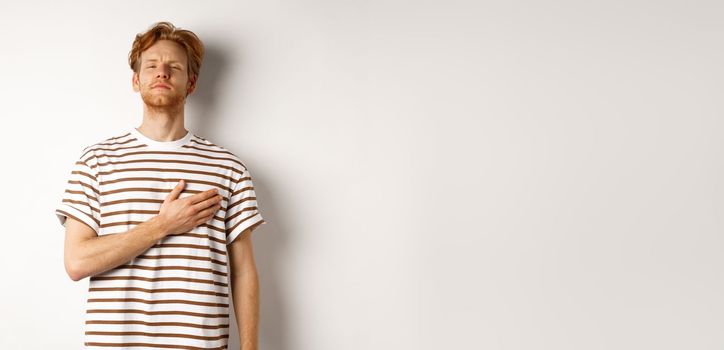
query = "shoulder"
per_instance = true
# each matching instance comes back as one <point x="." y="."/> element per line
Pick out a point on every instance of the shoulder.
<point x="205" y="145"/>
<point x="105" y="144"/>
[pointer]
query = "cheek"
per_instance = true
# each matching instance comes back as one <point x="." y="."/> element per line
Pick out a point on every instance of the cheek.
<point x="143" y="81"/>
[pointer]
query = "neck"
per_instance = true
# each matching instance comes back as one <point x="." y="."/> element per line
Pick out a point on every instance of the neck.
<point x="163" y="124"/>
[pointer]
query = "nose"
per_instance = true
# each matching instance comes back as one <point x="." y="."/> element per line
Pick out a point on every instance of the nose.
<point x="163" y="71"/>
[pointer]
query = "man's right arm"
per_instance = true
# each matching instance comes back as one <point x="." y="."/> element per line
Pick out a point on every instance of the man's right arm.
<point x="87" y="254"/>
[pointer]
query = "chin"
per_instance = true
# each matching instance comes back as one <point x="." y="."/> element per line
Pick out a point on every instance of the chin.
<point x="163" y="101"/>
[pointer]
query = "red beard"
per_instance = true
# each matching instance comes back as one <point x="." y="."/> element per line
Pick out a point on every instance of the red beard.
<point x="165" y="100"/>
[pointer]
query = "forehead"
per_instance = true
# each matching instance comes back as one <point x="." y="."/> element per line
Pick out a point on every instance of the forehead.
<point x="164" y="50"/>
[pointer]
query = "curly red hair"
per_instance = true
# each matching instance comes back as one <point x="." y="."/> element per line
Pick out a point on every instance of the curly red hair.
<point x="167" y="31"/>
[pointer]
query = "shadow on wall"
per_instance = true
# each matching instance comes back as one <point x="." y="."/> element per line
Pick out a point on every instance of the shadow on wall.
<point x="204" y="99"/>
<point x="203" y="104"/>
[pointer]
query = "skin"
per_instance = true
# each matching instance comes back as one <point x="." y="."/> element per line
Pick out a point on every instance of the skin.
<point x="87" y="254"/>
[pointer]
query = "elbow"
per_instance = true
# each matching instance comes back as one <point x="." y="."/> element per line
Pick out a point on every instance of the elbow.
<point x="73" y="270"/>
<point x="75" y="277"/>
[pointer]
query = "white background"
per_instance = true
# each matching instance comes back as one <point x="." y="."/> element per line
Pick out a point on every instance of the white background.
<point x="436" y="174"/>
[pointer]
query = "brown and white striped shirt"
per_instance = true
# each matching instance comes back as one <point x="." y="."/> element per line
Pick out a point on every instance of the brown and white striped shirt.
<point x="175" y="295"/>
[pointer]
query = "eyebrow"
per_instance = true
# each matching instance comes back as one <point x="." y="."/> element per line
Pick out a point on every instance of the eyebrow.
<point x="156" y="60"/>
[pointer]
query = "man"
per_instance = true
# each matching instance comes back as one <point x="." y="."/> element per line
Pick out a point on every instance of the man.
<point x="160" y="218"/>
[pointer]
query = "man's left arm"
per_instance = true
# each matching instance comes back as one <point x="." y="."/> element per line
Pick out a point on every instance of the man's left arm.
<point x="245" y="289"/>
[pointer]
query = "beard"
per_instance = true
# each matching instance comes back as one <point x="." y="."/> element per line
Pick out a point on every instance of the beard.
<point x="163" y="99"/>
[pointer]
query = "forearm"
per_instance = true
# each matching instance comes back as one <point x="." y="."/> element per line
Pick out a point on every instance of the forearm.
<point x="245" y="292"/>
<point x="102" y="253"/>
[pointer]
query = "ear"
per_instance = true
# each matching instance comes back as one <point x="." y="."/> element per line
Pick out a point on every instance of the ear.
<point x="191" y="86"/>
<point x="134" y="81"/>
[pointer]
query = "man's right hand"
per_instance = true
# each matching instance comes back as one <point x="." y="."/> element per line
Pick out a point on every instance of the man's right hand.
<point x="179" y="216"/>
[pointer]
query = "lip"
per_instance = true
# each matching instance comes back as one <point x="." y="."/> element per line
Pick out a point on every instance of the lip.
<point x="163" y="86"/>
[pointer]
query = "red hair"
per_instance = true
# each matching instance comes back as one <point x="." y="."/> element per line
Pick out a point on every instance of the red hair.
<point x="166" y="31"/>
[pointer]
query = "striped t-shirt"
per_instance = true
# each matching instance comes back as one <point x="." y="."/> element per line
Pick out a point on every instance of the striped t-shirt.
<point x="176" y="294"/>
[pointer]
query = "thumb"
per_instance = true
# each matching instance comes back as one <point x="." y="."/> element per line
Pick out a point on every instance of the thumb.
<point x="175" y="192"/>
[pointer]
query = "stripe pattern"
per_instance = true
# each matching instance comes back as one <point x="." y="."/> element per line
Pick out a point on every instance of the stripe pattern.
<point x="175" y="295"/>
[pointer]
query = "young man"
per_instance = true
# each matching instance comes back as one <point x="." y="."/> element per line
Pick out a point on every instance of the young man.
<point x="160" y="218"/>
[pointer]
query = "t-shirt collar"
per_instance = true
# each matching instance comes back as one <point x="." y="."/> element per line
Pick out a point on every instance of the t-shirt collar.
<point x="167" y="145"/>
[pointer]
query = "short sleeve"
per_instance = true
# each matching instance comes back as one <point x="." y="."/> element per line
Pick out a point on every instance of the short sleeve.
<point x="242" y="211"/>
<point x="80" y="199"/>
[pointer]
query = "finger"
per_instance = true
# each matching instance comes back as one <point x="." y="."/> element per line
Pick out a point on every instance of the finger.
<point x="204" y="219"/>
<point x="207" y="214"/>
<point x="207" y="203"/>
<point x="201" y="196"/>
<point x="176" y="191"/>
